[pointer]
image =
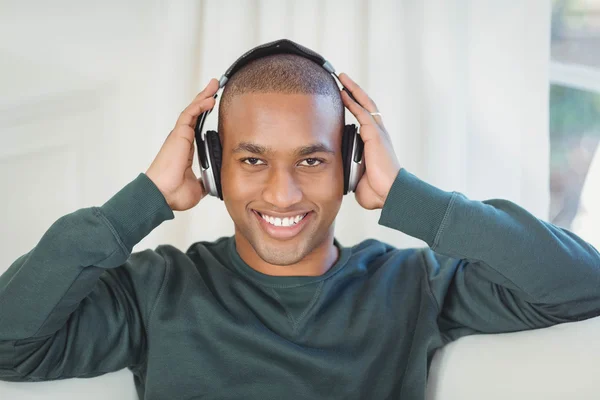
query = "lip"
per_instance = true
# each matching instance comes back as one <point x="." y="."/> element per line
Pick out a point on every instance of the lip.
<point x="282" y="232"/>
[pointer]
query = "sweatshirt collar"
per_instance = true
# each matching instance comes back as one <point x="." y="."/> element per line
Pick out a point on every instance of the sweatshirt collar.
<point x="286" y="281"/>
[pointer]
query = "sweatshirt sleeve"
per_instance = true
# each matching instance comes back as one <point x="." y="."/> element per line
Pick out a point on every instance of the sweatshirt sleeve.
<point x="492" y="266"/>
<point x="76" y="305"/>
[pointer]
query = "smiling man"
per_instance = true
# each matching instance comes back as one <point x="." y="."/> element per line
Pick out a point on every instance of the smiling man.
<point x="282" y="164"/>
<point x="281" y="309"/>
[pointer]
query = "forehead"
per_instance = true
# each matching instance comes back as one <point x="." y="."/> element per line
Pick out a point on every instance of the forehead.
<point x="281" y="118"/>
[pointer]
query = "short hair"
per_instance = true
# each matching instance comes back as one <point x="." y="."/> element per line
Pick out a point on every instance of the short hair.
<point x="281" y="73"/>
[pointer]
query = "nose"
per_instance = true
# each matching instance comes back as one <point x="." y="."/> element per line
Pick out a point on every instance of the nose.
<point x="282" y="190"/>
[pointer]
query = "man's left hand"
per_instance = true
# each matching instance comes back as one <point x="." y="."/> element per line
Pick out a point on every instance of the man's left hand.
<point x="382" y="165"/>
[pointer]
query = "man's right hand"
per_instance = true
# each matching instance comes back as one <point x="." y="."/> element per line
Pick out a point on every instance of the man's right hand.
<point x="171" y="170"/>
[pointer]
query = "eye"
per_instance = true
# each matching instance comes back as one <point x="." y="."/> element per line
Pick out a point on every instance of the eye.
<point x="251" y="161"/>
<point x="312" y="162"/>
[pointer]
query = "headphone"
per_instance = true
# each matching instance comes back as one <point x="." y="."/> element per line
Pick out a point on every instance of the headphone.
<point x="209" y="144"/>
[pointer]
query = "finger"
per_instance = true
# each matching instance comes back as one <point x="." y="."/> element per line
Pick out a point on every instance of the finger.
<point x="192" y="110"/>
<point x="379" y="120"/>
<point x="362" y="116"/>
<point x="209" y="90"/>
<point x="190" y="114"/>
<point x="186" y="123"/>
<point x="359" y="94"/>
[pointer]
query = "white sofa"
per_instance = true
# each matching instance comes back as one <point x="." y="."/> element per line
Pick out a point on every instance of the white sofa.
<point x="557" y="363"/>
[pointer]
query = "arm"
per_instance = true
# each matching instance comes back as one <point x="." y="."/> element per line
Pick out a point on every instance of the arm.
<point x="494" y="266"/>
<point x="77" y="304"/>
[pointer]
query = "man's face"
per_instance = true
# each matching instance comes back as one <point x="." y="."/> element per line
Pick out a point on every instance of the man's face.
<point x="276" y="163"/>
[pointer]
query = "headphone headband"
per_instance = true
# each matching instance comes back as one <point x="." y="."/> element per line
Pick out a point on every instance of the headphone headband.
<point x="281" y="46"/>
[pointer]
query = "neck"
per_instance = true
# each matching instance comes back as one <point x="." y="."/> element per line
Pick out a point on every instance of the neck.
<point x="315" y="263"/>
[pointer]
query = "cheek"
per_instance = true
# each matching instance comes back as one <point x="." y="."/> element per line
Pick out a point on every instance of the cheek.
<point x="237" y="185"/>
<point x="323" y="186"/>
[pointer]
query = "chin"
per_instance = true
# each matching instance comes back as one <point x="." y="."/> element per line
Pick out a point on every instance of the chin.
<point x="284" y="251"/>
<point x="280" y="258"/>
<point x="281" y="253"/>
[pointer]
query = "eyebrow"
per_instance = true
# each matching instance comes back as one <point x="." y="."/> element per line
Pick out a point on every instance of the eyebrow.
<point x="299" y="152"/>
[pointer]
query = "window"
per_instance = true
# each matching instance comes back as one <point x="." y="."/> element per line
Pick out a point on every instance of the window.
<point x="575" y="117"/>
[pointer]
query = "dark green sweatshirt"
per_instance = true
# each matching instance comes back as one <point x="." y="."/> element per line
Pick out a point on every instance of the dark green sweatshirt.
<point x="205" y="325"/>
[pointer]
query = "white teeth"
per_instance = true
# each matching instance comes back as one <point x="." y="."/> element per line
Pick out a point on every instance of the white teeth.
<point x="287" y="221"/>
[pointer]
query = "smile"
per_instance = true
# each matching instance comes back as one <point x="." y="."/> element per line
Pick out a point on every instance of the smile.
<point x="287" y="221"/>
<point x="282" y="228"/>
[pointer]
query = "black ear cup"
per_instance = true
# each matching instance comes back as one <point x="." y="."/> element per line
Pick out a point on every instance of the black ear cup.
<point x="347" y="141"/>
<point x="215" y="151"/>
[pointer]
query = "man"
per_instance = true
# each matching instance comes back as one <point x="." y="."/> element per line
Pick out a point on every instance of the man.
<point x="281" y="309"/>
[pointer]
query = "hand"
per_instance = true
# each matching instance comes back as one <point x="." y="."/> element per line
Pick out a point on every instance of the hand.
<point x="171" y="170"/>
<point x="381" y="164"/>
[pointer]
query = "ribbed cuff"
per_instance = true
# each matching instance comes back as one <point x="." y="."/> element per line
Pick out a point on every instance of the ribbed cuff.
<point x="136" y="210"/>
<point x="415" y="207"/>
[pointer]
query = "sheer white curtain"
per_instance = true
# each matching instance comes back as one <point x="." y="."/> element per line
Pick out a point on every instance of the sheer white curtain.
<point x="462" y="85"/>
